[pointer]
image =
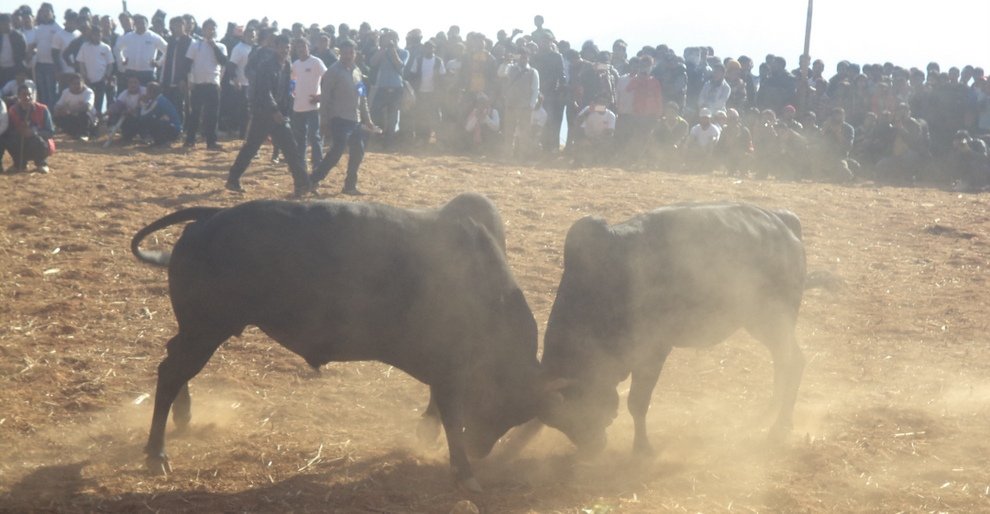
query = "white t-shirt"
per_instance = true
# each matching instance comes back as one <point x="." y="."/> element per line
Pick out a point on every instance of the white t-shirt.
<point x="705" y="138"/>
<point x="239" y="57"/>
<point x="205" y="67"/>
<point x="44" y="37"/>
<point x="29" y="39"/>
<point x="76" y="102"/>
<point x="598" y="122"/>
<point x="6" y="52"/>
<point x="307" y="75"/>
<point x="427" y="84"/>
<point x="131" y="101"/>
<point x="95" y="59"/>
<point x="139" y="50"/>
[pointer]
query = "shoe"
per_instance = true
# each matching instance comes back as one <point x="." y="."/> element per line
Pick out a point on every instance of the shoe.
<point x="214" y="146"/>
<point x="351" y="191"/>
<point x="84" y="139"/>
<point x="42" y="168"/>
<point x="234" y="186"/>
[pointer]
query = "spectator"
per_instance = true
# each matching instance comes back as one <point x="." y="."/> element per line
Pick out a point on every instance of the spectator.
<point x="74" y="111"/>
<point x="239" y="57"/>
<point x="160" y="121"/>
<point x="207" y="59"/>
<point x="425" y="73"/>
<point x="137" y="52"/>
<point x="522" y="91"/>
<point x="29" y="136"/>
<point x="553" y="86"/>
<point x="597" y="136"/>
<point x="838" y="137"/>
<point x="175" y="66"/>
<point x="670" y="135"/>
<point x="307" y="71"/>
<point x="9" y="90"/>
<point x="126" y="110"/>
<point x="390" y="60"/>
<point x="4" y="122"/>
<point x="95" y="59"/>
<point x="734" y="148"/>
<point x="642" y="112"/>
<point x="13" y="50"/>
<point x="46" y="68"/>
<point x="700" y="143"/>
<point x="715" y="93"/>
<point x="482" y="126"/>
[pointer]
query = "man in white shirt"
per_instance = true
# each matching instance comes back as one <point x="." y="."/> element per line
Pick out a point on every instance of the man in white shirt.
<point x="597" y="123"/>
<point x="239" y="58"/>
<point x="45" y="69"/>
<point x="307" y="71"/>
<point x="74" y="112"/>
<point x="137" y="52"/>
<point x="701" y="141"/>
<point x="95" y="60"/>
<point x="60" y="44"/>
<point x="207" y="57"/>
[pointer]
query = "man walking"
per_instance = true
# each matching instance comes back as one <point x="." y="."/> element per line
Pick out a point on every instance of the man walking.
<point x="307" y="71"/>
<point x="271" y="102"/>
<point x="343" y="110"/>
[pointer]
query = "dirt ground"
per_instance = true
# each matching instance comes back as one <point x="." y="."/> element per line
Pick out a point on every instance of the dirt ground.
<point x="892" y="414"/>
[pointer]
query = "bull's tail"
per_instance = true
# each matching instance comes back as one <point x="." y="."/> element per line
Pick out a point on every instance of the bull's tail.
<point x="161" y="257"/>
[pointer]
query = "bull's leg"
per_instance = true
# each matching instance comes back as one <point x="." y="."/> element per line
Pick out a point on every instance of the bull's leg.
<point x="644" y="379"/>
<point x="788" y="367"/>
<point x="428" y="429"/>
<point x="448" y="403"/>
<point x="182" y="408"/>
<point x="186" y="357"/>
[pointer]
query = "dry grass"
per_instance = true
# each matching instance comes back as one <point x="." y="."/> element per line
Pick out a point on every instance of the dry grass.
<point x="892" y="413"/>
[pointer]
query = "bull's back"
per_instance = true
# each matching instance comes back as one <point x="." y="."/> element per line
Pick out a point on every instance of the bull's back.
<point x="699" y="272"/>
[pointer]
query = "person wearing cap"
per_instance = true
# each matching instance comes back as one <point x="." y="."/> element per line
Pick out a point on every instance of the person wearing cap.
<point x="344" y="115"/>
<point x="137" y="52"/>
<point x="701" y="140"/>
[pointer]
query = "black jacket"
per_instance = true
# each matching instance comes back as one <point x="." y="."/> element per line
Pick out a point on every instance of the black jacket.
<point x="19" y="45"/>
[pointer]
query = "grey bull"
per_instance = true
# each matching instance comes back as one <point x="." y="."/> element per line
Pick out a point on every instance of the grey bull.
<point x="679" y="276"/>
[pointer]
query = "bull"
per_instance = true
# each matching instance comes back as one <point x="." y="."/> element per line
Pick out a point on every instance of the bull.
<point x="680" y="276"/>
<point x="426" y="291"/>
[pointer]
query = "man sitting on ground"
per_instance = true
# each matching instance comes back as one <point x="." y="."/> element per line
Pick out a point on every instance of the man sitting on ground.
<point x="160" y="121"/>
<point x="74" y="112"/>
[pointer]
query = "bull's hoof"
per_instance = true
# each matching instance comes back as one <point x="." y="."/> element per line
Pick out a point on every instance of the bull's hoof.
<point x="158" y="464"/>
<point x="470" y="484"/>
<point x="643" y="450"/>
<point x="428" y="430"/>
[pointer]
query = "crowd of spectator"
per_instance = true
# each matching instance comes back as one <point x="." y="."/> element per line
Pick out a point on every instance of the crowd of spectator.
<point x="508" y="98"/>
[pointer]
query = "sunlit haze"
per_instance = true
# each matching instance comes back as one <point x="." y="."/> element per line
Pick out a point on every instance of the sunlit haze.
<point x="950" y="32"/>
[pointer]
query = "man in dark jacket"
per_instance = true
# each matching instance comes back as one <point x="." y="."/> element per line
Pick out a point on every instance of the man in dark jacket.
<point x="271" y="102"/>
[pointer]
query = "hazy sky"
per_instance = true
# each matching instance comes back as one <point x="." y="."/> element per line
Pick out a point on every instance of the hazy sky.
<point x="951" y="32"/>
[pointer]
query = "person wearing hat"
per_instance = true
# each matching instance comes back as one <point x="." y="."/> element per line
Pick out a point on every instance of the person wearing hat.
<point x="701" y="140"/>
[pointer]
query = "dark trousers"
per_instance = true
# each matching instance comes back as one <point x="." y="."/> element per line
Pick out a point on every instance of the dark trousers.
<point x="34" y="148"/>
<point x="160" y="131"/>
<point x="99" y="94"/>
<point x="143" y="76"/>
<point x="554" y="106"/>
<point x="306" y="130"/>
<point x="262" y="126"/>
<point x="344" y="133"/>
<point x="75" y="125"/>
<point x="385" y="112"/>
<point x="7" y="74"/>
<point x="204" y="102"/>
<point x="44" y="80"/>
<point x="129" y="127"/>
<point x="177" y="97"/>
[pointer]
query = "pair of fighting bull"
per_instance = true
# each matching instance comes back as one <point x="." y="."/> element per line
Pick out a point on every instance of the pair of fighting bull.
<point x="429" y="292"/>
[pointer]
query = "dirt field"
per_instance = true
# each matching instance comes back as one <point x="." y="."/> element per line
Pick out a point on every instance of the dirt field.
<point x="892" y="414"/>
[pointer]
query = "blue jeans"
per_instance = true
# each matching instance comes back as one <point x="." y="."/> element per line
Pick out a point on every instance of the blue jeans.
<point x="343" y="133"/>
<point x="306" y="129"/>
<point x="44" y="80"/>
<point x="385" y="112"/>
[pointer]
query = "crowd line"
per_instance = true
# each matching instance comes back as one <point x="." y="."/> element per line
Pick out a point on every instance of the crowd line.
<point x="168" y="81"/>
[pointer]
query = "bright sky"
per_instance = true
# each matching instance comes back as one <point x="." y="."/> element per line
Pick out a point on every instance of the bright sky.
<point x="951" y="32"/>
